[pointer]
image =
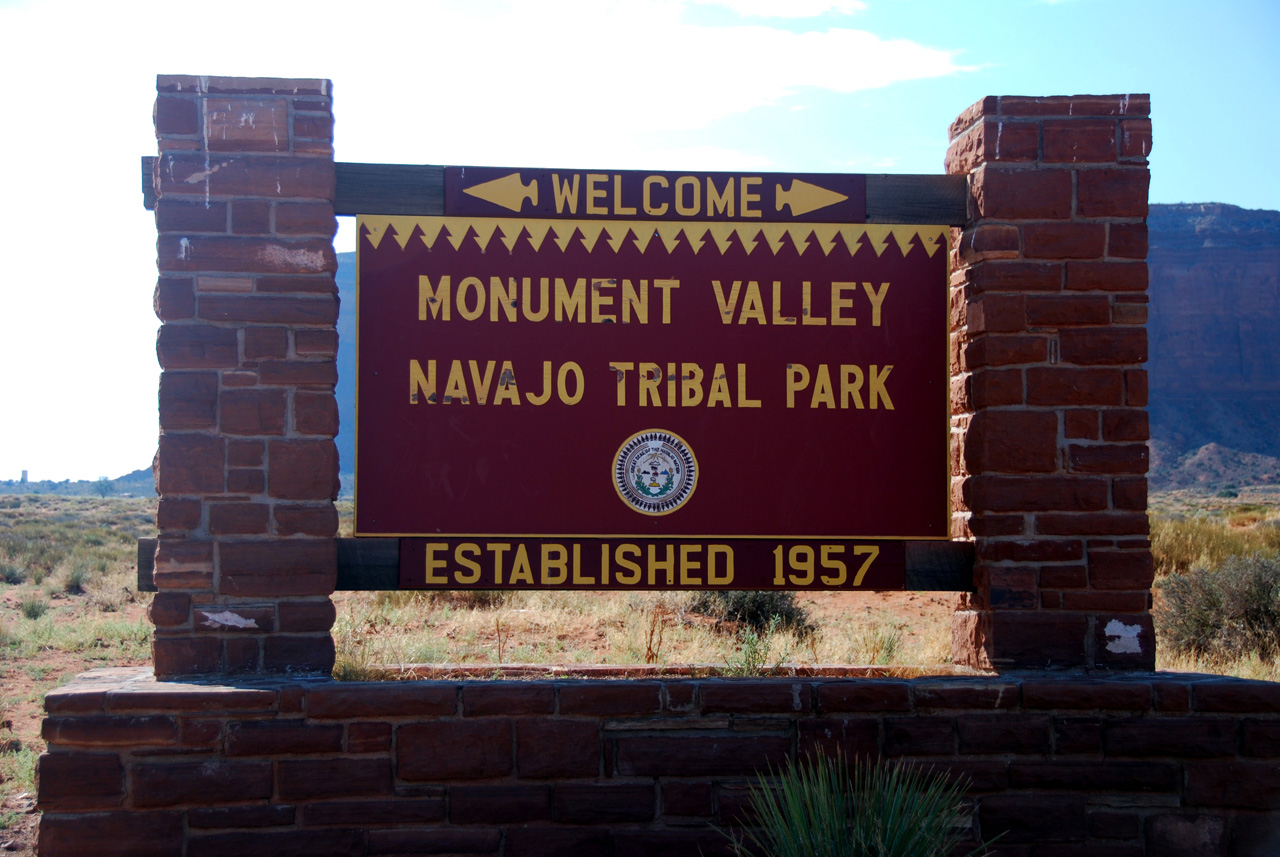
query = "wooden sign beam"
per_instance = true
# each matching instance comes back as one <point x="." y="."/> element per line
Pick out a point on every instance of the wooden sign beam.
<point x="412" y="189"/>
<point x="373" y="565"/>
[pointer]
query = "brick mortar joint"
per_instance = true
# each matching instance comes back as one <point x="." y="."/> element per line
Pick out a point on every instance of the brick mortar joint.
<point x="253" y="538"/>
<point x="166" y="159"/>
<point x="280" y="297"/>
<point x="247" y="238"/>
<point x="964" y="132"/>
<point x="1076" y="169"/>
<point x="198" y="198"/>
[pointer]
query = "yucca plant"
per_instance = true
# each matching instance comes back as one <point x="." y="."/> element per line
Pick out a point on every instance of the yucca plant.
<point x="822" y="807"/>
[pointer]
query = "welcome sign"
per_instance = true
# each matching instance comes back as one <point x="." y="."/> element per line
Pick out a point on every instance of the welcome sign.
<point x="613" y="380"/>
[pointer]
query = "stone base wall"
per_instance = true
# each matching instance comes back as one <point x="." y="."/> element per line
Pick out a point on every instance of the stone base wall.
<point x="1142" y="765"/>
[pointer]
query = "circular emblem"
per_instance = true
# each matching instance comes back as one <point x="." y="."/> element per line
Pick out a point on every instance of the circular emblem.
<point x="655" y="472"/>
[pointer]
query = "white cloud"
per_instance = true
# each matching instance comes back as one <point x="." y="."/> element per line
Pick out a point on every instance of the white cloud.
<point x="576" y="85"/>
<point x="607" y="83"/>
<point x="787" y="8"/>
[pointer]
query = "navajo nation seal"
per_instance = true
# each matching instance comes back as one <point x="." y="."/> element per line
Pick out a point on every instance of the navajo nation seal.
<point x="655" y="472"/>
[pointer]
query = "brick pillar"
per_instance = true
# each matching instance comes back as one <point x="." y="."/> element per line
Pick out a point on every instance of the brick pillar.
<point x="247" y="469"/>
<point x="1049" y="428"/>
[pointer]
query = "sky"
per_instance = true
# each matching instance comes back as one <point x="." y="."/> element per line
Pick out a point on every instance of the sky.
<point x="779" y="85"/>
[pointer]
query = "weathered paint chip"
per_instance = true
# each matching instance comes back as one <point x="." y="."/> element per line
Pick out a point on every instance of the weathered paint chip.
<point x="1124" y="638"/>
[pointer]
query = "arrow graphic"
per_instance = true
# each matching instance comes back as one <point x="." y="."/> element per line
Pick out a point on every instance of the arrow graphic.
<point x="803" y="197"/>
<point x="508" y="192"/>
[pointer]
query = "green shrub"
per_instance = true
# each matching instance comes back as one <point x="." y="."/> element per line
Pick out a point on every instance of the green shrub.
<point x="755" y="609"/>
<point x="75" y="580"/>
<point x="348" y="669"/>
<point x="820" y="807"/>
<point x="1225" y="613"/>
<point x="33" y="606"/>
<point x="878" y="644"/>
<point x="752" y="657"/>
<point x="11" y="574"/>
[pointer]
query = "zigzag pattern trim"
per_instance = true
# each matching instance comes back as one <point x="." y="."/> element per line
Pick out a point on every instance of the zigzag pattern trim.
<point x="596" y="234"/>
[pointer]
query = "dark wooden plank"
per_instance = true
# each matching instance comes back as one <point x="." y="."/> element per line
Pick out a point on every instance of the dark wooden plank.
<point x="940" y="566"/>
<point x="368" y="565"/>
<point x="419" y="189"/>
<point x="389" y="189"/>
<point x="373" y="565"/>
<point x="148" y="186"/>
<point x="146" y="565"/>
<point x="917" y="199"/>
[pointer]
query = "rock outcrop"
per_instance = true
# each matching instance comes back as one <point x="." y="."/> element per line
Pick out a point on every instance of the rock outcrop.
<point x="1214" y="345"/>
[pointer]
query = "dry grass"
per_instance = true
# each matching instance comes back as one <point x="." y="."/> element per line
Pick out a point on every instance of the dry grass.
<point x="549" y="627"/>
<point x="1184" y="536"/>
<point x="1250" y="666"/>
<point x="68" y="602"/>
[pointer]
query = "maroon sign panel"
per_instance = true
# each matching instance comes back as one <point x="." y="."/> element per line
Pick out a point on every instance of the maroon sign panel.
<point x="716" y="404"/>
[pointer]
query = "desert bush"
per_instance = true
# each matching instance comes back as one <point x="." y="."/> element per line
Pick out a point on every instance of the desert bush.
<point x="756" y="609"/>
<point x="753" y="654"/>
<point x="11" y="574"/>
<point x="75" y="580"/>
<point x="878" y="644"/>
<point x="821" y="807"/>
<point x="350" y="667"/>
<point x="33" y="606"/>
<point x="1222" y="614"/>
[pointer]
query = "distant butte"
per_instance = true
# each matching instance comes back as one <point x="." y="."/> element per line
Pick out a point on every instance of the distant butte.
<point x="1214" y="345"/>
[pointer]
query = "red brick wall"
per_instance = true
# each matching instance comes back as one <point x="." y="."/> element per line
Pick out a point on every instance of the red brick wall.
<point x="1049" y="427"/>
<point x="1048" y="390"/>
<point x="247" y="468"/>
<point x="1163" y="766"/>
